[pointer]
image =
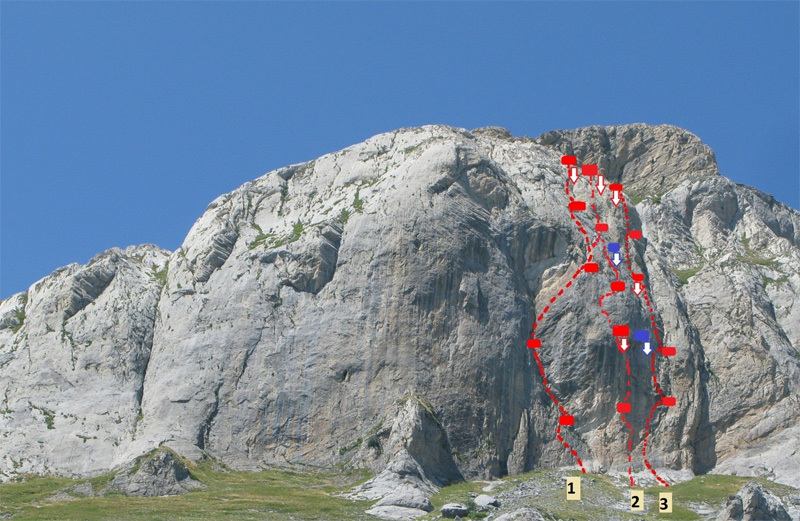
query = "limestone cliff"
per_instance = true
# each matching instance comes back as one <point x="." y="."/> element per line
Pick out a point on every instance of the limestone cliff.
<point x="305" y="308"/>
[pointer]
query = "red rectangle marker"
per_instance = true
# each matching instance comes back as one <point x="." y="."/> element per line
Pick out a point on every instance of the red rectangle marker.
<point x="591" y="267"/>
<point x="533" y="343"/>
<point x="615" y="187"/>
<point x="623" y="407"/>
<point x="635" y="234"/>
<point x="668" y="351"/>
<point x="589" y="170"/>
<point x="577" y="206"/>
<point x="620" y="330"/>
<point x="569" y="160"/>
<point x="637" y="277"/>
<point x="617" y="285"/>
<point x="601" y="227"/>
<point x="566" y="419"/>
<point x="668" y="401"/>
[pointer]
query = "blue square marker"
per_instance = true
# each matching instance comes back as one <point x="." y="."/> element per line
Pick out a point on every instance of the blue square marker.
<point x="641" y="335"/>
<point x="613" y="247"/>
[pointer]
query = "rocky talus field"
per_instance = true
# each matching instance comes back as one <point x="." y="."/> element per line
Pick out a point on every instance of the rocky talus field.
<point x="346" y="339"/>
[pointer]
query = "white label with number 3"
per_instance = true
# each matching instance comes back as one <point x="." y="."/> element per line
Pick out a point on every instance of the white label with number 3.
<point x="665" y="503"/>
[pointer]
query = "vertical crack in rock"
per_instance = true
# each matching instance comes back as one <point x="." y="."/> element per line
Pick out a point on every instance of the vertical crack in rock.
<point x="147" y="348"/>
<point x="208" y="422"/>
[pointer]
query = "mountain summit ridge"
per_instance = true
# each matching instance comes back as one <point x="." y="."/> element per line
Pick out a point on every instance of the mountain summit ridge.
<point x="305" y="307"/>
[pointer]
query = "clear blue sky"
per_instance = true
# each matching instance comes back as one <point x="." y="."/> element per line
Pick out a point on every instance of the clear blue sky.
<point x="120" y="122"/>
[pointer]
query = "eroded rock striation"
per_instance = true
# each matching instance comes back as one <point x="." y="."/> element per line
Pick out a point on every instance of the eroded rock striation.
<point x="370" y="308"/>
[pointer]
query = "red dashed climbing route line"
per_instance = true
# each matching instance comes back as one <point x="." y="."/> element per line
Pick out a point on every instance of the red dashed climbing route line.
<point x="628" y="425"/>
<point x="578" y="223"/>
<point x="608" y="259"/>
<point x="570" y="449"/>
<point x="653" y="355"/>
<point x="603" y="311"/>
<point x="658" y="340"/>
<point x="644" y="443"/>
<point x="547" y="388"/>
<point x="596" y="242"/>
<point x="534" y="343"/>
<point x="616" y="276"/>
<point x="657" y="388"/>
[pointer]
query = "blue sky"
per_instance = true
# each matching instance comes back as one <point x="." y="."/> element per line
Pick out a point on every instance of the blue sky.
<point x="120" y="122"/>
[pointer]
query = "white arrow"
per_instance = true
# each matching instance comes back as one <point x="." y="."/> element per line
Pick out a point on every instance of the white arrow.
<point x="601" y="185"/>
<point x="615" y="198"/>
<point x="647" y="350"/>
<point x="573" y="174"/>
<point x="624" y="344"/>
<point x="616" y="259"/>
<point x="637" y="288"/>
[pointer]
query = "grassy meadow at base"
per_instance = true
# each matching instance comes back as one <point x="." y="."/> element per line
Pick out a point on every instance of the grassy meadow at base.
<point x="265" y="495"/>
<point x="281" y="494"/>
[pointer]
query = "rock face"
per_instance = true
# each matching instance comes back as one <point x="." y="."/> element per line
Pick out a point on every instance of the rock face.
<point x="304" y="307"/>
<point x="74" y="350"/>
<point x="753" y="503"/>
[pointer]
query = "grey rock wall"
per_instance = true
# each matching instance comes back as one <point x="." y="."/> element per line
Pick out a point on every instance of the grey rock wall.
<point x="305" y="305"/>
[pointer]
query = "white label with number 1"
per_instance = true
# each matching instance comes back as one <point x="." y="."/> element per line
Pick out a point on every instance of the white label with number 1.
<point x="574" y="488"/>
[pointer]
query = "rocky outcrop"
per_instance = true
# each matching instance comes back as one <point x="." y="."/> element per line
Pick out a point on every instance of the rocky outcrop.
<point x="453" y="510"/>
<point x="305" y="305"/>
<point x="395" y="513"/>
<point x="483" y="501"/>
<point x="418" y="460"/>
<point x="753" y="503"/>
<point x="159" y="474"/>
<point x="648" y="160"/>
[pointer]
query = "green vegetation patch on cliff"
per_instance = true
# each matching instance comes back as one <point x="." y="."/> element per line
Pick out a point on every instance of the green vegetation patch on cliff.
<point x="685" y="275"/>
<point x="19" y="313"/>
<point x="754" y="257"/>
